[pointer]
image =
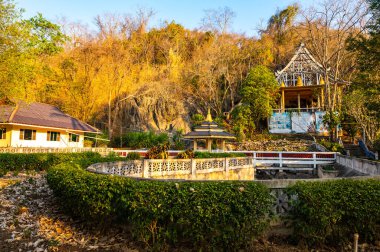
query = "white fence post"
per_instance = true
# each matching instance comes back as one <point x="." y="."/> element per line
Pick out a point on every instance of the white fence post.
<point x="315" y="160"/>
<point x="145" y="168"/>
<point x="280" y="157"/>
<point x="226" y="168"/>
<point x="193" y="168"/>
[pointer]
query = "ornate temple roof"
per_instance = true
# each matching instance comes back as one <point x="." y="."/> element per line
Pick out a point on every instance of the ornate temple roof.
<point x="209" y="129"/>
<point x="302" y="68"/>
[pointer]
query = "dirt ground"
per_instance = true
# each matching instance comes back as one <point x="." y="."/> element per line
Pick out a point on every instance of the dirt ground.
<point x="31" y="220"/>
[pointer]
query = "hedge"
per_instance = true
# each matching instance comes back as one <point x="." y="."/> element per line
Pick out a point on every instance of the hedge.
<point x="42" y="161"/>
<point x="202" y="215"/>
<point x="331" y="212"/>
<point x="218" y="155"/>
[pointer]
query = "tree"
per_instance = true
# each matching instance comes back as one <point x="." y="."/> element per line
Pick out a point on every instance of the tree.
<point x="281" y="28"/>
<point x="219" y="20"/>
<point x="259" y="94"/>
<point x="23" y="44"/>
<point x="363" y="100"/>
<point x="327" y="29"/>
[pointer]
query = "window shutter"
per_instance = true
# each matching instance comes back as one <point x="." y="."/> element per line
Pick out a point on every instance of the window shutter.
<point x="4" y="133"/>
<point x="58" y="136"/>
<point x="48" y="136"/>
<point x="21" y="134"/>
<point x="34" y="135"/>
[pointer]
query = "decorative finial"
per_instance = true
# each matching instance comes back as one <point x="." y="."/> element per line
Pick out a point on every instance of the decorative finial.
<point x="209" y="117"/>
<point x="299" y="81"/>
<point x="322" y="81"/>
<point x="282" y="84"/>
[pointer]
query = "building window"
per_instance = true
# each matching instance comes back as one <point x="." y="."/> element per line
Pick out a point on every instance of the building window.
<point x="3" y="133"/>
<point x="27" y="134"/>
<point x="73" y="137"/>
<point x="53" y="136"/>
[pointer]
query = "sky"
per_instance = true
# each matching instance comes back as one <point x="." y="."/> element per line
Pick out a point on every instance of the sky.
<point x="249" y="14"/>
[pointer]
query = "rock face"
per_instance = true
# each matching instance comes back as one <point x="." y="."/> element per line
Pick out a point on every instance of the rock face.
<point x="276" y="145"/>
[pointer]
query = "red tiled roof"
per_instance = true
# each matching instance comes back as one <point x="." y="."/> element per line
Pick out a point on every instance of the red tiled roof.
<point x="41" y="114"/>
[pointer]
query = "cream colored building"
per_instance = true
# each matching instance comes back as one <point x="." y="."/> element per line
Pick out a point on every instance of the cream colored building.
<point x="40" y="125"/>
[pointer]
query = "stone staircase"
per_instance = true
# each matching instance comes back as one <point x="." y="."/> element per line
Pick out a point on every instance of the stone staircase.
<point x="355" y="150"/>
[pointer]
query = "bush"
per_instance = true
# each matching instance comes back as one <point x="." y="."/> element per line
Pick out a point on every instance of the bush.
<point x="133" y="156"/>
<point x="138" y="140"/>
<point x="42" y="161"/>
<point x="218" y="155"/>
<point x="332" y="146"/>
<point x="158" y="152"/>
<point x="209" y="215"/>
<point x="331" y="212"/>
<point x="188" y="154"/>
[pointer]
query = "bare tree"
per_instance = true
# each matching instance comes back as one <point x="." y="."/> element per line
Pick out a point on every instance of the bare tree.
<point x="218" y="20"/>
<point x="327" y="29"/>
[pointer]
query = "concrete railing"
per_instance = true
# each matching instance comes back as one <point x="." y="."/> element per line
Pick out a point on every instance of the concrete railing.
<point x="102" y="151"/>
<point x="149" y="168"/>
<point x="365" y="166"/>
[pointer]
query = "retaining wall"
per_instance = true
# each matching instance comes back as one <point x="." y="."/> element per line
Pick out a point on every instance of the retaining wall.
<point x="365" y="166"/>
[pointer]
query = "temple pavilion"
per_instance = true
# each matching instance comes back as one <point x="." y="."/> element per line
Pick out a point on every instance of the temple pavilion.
<point x="302" y="82"/>
<point x="209" y="131"/>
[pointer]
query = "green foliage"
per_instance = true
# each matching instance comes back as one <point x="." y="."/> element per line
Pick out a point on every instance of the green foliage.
<point x="177" y="142"/>
<point x="43" y="161"/>
<point x="158" y="152"/>
<point x="196" y="120"/>
<point x="332" y="146"/>
<point x="331" y="212"/>
<point x="217" y="155"/>
<point x="45" y="37"/>
<point x="203" y="215"/>
<point x="243" y="125"/>
<point x="133" y="156"/>
<point x="188" y="154"/>
<point x="259" y="93"/>
<point x="137" y="140"/>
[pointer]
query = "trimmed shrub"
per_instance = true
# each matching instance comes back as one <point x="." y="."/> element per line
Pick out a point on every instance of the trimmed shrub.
<point x="217" y="155"/>
<point x="42" y="161"/>
<point x="137" y="140"/>
<point x="187" y="154"/>
<point x="331" y="212"/>
<point x="158" y="152"/>
<point x="204" y="215"/>
<point x="133" y="156"/>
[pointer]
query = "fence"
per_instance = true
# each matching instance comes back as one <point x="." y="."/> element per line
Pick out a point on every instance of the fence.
<point x="158" y="167"/>
<point x="102" y="151"/>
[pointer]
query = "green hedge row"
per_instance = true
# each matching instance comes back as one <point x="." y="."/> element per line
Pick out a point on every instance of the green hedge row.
<point x="331" y="212"/>
<point x="207" y="215"/>
<point x="217" y="155"/>
<point x="42" y="161"/>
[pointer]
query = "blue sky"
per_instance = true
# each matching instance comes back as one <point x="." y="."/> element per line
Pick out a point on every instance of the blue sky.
<point x="189" y="13"/>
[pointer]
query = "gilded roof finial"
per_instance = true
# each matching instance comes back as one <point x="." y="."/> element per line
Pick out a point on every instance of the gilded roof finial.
<point x="282" y="84"/>
<point x="299" y="81"/>
<point x="322" y="81"/>
<point x="209" y="117"/>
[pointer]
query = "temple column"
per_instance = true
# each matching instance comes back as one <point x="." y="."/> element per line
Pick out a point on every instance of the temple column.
<point x="299" y="100"/>
<point x="322" y="98"/>
<point x="223" y="145"/>
<point x="282" y="100"/>
<point x="208" y="144"/>
<point x="319" y="102"/>
<point x="195" y="144"/>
